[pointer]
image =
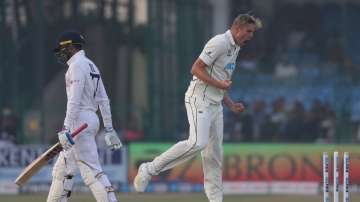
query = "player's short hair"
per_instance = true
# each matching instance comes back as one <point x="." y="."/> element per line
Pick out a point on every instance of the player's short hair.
<point x="244" y="19"/>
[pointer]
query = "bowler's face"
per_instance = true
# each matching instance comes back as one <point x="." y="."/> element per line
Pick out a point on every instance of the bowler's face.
<point x="244" y="34"/>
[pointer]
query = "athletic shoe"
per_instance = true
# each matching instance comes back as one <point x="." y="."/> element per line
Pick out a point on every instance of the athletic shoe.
<point x="142" y="178"/>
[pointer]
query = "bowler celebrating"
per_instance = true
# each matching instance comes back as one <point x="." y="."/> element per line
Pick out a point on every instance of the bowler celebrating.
<point x="203" y="100"/>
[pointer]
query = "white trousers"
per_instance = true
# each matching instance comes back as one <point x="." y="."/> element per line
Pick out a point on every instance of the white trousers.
<point x="205" y="135"/>
<point x="83" y="155"/>
<point x="85" y="148"/>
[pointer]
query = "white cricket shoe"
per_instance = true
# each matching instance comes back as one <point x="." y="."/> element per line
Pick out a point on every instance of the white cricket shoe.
<point x="142" y="178"/>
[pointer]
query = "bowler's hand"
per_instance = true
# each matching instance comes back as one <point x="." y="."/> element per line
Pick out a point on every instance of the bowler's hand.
<point x="112" y="140"/>
<point x="237" y="107"/>
<point x="225" y="84"/>
<point x="65" y="139"/>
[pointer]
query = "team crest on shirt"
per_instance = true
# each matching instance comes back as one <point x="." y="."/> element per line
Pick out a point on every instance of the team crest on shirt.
<point x="230" y="67"/>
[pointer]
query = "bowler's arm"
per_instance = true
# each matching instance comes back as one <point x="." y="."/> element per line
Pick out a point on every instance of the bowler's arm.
<point x="227" y="100"/>
<point x="199" y="70"/>
<point x="236" y="107"/>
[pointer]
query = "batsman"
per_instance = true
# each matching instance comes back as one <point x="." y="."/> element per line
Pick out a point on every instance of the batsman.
<point x="203" y="101"/>
<point x="85" y="95"/>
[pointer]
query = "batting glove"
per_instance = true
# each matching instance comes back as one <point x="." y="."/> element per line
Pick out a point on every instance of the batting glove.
<point x="65" y="139"/>
<point x="112" y="140"/>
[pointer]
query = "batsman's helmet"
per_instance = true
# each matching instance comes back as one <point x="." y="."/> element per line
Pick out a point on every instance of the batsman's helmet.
<point x="67" y="38"/>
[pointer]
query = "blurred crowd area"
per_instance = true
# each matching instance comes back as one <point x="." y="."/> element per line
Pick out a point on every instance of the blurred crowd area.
<point x="299" y="76"/>
<point x="308" y="41"/>
<point x="282" y="122"/>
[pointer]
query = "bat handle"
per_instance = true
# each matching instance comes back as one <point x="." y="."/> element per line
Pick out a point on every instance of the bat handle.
<point x="78" y="130"/>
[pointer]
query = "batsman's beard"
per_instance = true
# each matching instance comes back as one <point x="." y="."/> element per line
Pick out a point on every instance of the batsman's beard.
<point x="63" y="56"/>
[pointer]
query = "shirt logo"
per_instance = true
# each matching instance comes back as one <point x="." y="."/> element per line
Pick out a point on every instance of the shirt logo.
<point x="208" y="53"/>
<point x="74" y="81"/>
<point x="230" y="67"/>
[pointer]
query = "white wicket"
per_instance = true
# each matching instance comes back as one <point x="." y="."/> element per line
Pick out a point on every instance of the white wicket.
<point x="346" y="195"/>
<point x="326" y="177"/>
<point x="336" y="169"/>
<point x="336" y="176"/>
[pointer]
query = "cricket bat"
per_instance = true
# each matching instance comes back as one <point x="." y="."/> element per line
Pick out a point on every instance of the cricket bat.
<point x="43" y="159"/>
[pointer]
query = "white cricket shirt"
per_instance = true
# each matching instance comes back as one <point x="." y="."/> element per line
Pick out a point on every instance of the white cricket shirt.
<point x="85" y="90"/>
<point x="220" y="55"/>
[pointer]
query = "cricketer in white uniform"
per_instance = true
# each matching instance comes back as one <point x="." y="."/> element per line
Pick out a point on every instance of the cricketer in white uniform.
<point x="85" y="93"/>
<point x="203" y="100"/>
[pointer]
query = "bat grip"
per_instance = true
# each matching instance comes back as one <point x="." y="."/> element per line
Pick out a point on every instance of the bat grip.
<point x="78" y="130"/>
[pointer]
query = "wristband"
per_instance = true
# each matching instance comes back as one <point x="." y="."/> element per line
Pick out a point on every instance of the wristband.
<point x="69" y="138"/>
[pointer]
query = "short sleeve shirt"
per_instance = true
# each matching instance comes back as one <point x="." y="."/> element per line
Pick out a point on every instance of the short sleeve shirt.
<point x="219" y="54"/>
